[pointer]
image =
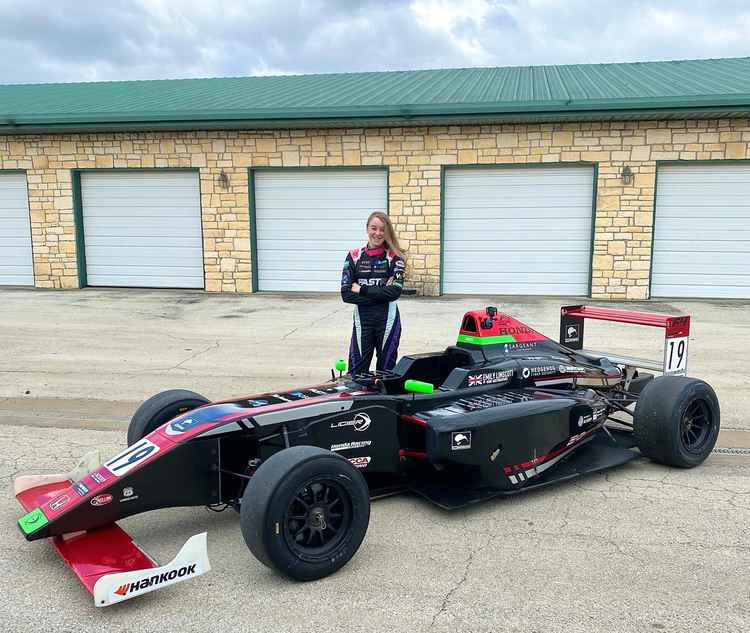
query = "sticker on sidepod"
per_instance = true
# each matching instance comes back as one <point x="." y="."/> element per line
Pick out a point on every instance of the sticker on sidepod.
<point x="32" y="521"/>
<point x="178" y="427"/>
<point x="102" y="499"/>
<point x="60" y="502"/>
<point x="460" y="440"/>
<point x="131" y="457"/>
<point x="360" y="462"/>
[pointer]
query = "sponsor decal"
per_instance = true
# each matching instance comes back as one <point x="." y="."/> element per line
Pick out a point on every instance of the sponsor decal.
<point x="131" y="457"/>
<point x="98" y="477"/>
<point x="361" y="422"/>
<point x="515" y="347"/>
<point x="81" y="488"/>
<point x="102" y="500"/>
<point x="32" y="521"/>
<point x="178" y="427"/>
<point x="542" y="370"/>
<point x="572" y="334"/>
<point x="60" y="502"/>
<point x="571" y="369"/>
<point x="575" y="438"/>
<point x="460" y="440"/>
<point x="490" y="378"/>
<point x="351" y="445"/>
<point x="516" y="330"/>
<point x="371" y="282"/>
<point x="583" y="420"/>
<point x="155" y="580"/>
<point x="360" y="462"/>
<point x="128" y="494"/>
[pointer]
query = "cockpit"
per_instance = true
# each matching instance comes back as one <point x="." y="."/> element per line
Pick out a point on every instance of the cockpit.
<point x="433" y="368"/>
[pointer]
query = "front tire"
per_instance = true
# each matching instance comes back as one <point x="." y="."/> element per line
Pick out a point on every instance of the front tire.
<point x="305" y="512"/>
<point x="159" y="409"/>
<point x="677" y="421"/>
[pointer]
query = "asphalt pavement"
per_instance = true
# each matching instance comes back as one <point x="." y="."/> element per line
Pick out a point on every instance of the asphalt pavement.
<point x="639" y="548"/>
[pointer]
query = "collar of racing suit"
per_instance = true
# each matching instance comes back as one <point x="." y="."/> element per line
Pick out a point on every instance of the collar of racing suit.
<point x="371" y="252"/>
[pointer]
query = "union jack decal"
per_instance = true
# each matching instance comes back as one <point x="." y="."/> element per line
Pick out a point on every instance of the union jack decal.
<point x="475" y="380"/>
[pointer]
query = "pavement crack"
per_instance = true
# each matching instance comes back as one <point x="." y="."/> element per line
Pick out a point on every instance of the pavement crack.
<point x="461" y="581"/>
<point x="214" y="345"/>
<point x="312" y="323"/>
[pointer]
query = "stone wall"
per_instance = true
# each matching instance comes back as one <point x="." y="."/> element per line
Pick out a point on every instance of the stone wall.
<point x="414" y="156"/>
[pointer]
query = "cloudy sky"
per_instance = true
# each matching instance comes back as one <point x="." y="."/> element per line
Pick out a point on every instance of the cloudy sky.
<point x="78" y="40"/>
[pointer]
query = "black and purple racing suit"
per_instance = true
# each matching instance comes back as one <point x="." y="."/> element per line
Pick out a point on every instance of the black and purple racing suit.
<point x="377" y="325"/>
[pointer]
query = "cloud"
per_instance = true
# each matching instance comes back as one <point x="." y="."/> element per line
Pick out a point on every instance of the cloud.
<point x="159" y="39"/>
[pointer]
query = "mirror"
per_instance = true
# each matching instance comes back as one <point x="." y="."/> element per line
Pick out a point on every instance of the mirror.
<point x="417" y="386"/>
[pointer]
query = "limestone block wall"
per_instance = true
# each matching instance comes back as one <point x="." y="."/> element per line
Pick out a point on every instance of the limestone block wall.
<point x="415" y="157"/>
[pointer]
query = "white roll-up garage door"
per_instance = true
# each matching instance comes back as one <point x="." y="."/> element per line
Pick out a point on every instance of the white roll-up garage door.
<point x="306" y="221"/>
<point x="523" y="231"/>
<point x="142" y="229"/>
<point x="702" y="231"/>
<point x="16" y="265"/>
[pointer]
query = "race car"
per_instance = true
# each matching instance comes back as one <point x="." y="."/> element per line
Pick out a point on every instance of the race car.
<point x="503" y="411"/>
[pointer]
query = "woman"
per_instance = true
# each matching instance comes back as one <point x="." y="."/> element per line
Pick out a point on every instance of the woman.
<point x="372" y="280"/>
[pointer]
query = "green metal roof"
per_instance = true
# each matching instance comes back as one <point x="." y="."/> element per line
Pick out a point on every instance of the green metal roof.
<point x="671" y="89"/>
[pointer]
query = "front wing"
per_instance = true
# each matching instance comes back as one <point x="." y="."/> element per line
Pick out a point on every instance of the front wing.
<point x="106" y="560"/>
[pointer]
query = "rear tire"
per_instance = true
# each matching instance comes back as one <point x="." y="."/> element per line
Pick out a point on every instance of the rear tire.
<point x="305" y="512"/>
<point x="161" y="408"/>
<point x="677" y="421"/>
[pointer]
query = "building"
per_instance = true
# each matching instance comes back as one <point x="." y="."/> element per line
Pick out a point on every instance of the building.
<point x="618" y="181"/>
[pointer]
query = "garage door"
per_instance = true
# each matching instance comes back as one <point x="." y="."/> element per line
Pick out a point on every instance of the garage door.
<point x="306" y="221"/>
<point x="702" y="231"/>
<point x="16" y="268"/>
<point x="142" y="229"/>
<point x="518" y="231"/>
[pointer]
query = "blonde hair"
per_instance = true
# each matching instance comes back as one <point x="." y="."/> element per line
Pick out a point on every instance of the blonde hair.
<point x="391" y="240"/>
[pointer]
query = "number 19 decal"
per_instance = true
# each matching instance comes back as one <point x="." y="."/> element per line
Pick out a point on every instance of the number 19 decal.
<point x="130" y="457"/>
<point x="675" y="355"/>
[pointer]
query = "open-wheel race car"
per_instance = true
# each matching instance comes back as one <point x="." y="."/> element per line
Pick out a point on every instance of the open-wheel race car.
<point x="503" y="411"/>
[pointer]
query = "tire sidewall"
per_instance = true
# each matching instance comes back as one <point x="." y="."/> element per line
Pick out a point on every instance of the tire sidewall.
<point x="658" y="420"/>
<point x="161" y="408"/>
<point x="266" y="501"/>
<point x="696" y="391"/>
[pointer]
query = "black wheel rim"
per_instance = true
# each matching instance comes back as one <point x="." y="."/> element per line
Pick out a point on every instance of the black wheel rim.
<point x="696" y="426"/>
<point x="318" y="518"/>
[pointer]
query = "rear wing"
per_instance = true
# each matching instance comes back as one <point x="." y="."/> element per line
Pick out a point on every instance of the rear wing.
<point x="676" y="334"/>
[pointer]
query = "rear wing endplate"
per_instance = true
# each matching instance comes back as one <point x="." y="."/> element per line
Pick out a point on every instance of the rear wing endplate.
<point x="676" y="334"/>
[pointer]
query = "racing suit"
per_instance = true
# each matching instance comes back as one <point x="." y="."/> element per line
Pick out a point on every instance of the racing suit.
<point x="377" y="325"/>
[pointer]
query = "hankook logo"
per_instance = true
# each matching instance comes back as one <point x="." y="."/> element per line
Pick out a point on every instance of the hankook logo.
<point x="361" y="422"/>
